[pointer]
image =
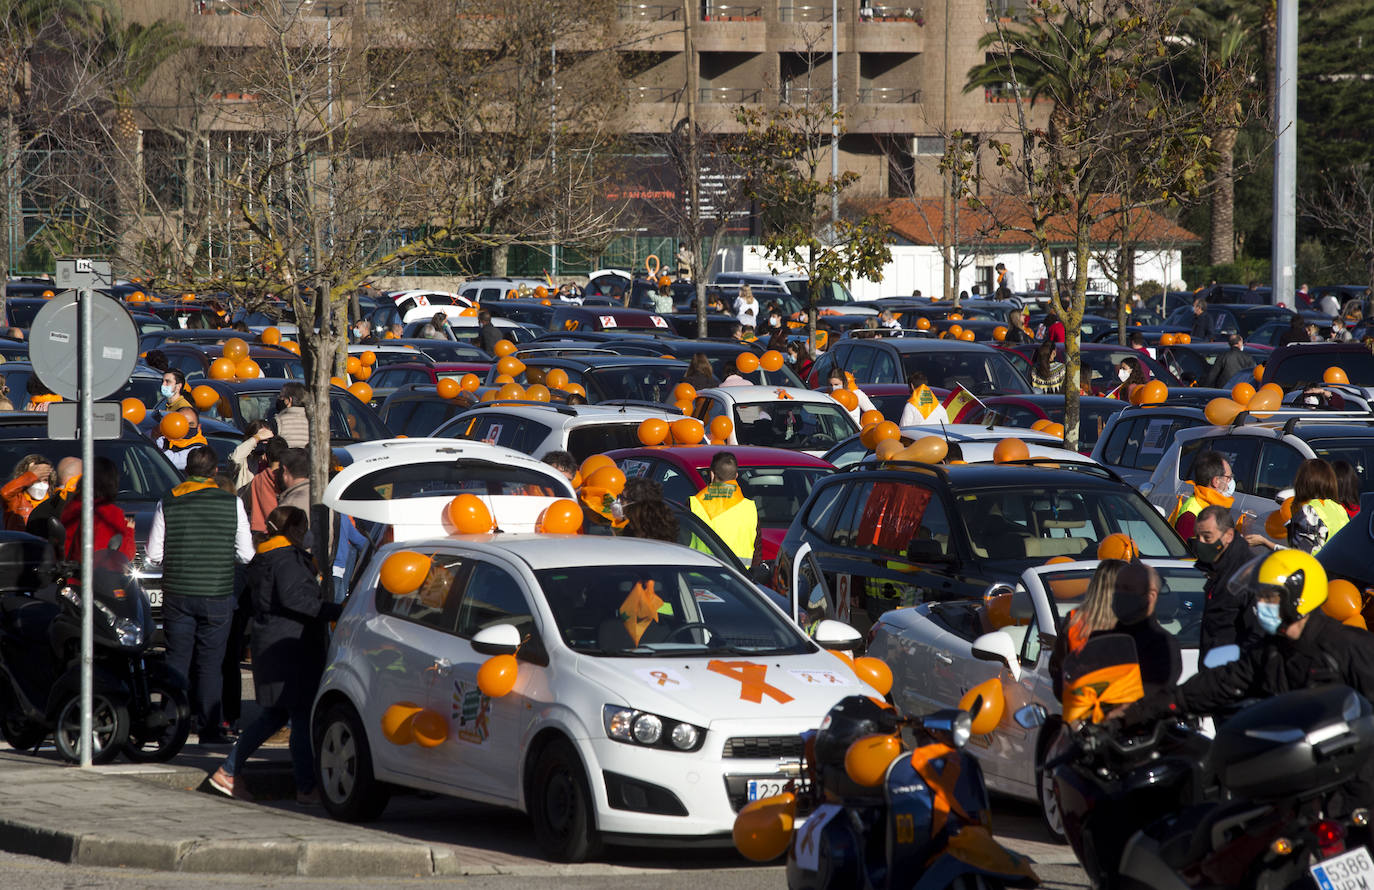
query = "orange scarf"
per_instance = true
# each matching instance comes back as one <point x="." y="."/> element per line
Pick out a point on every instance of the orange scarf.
<point x="923" y="400"/>
<point x="718" y="497"/>
<point x="42" y="400"/>
<point x="849" y="383"/>
<point x="1211" y="497"/>
<point x="195" y="483"/>
<point x="183" y="444"/>
<point x="1117" y="684"/>
<point x="276" y="542"/>
<point x="599" y="501"/>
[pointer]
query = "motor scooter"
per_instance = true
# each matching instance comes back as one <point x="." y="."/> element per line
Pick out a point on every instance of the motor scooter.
<point x="140" y="706"/>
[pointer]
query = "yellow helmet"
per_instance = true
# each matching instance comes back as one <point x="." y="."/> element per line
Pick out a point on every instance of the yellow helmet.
<point x="1297" y="578"/>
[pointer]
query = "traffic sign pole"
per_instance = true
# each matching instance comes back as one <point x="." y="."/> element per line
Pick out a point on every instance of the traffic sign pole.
<point x="86" y="299"/>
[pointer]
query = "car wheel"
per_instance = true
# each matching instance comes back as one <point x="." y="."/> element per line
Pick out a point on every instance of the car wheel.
<point x="1051" y="814"/>
<point x="21" y="734"/>
<point x="162" y="729"/>
<point x="109" y="727"/>
<point x="343" y="767"/>
<point x="561" y="806"/>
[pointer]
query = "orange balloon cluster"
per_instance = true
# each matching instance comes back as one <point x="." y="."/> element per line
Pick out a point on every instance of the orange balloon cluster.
<point x="1152" y="393"/>
<point x="845" y="398"/>
<point x="653" y="431"/>
<point x="1221" y="411"/>
<point x="688" y="431"/>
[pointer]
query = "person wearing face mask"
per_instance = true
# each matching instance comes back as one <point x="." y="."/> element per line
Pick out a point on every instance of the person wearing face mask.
<point x="177" y="449"/>
<point x="1302" y="648"/>
<point x="1131" y="373"/>
<point x="362" y="333"/>
<point x="46" y="519"/>
<point x="1213" y="483"/>
<point x="27" y="488"/>
<point x="1221" y="552"/>
<point x="1133" y="602"/>
<point x="1339" y="332"/>
<point x="291" y="420"/>
<point x="172" y="391"/>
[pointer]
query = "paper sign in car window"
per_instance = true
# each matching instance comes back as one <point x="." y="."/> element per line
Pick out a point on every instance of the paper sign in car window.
<point x="658" y="322"/>
<point x="493" y="433"/>
<point x="607" y="321"/>
<point x="1156" y="435"/>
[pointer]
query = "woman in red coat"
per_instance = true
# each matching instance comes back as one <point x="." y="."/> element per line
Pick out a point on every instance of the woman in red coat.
<point x="109" y="519"/>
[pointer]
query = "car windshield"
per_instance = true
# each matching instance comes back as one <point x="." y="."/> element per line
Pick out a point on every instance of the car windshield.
<point x="640" y="383"/>
<point x="691" y="611"/>
<point x="1356" y="451"/>
<point x="290" y="368"/>
<point x="777" y="492"/>
<point x="448" y="351"/>
<point x="1092" y="418"/>
<point x="598" y="438"/>
<point x="982" y="373"/>
<point x="144" y="474"/>
<point x="790" y="423"/>
<point x="22" y="314"/>
<point x="1308" y="366"/>
<point x="348" y="418"/>
<point x="1178" y="609"/>
<point x="431" y="479"/>
<point x="1025" y="526"/>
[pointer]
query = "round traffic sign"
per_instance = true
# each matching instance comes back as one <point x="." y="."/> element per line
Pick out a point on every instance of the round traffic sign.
<point x="54" y="348"/>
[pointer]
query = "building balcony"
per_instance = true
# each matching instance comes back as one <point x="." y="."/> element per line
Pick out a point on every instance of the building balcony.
<point x="789" y="13"/>
<point x="725" y="12"/>
<point x="875" y="14"/>
<point x="888" y="96"/>
<point x="730" y="95"/>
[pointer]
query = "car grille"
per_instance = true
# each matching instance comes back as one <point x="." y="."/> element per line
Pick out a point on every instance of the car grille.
<point x="769" y="747"/>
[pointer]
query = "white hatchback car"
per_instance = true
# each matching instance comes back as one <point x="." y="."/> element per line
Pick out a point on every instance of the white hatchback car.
<point x="777" y="417"/>
<point x="657" y="691"/>
<point x="537" y="429"/>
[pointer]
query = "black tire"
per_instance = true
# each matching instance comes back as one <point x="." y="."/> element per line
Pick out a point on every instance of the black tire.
<point x="343" y="767"/>
<point x="1051" y="816"/>
<point x="20" y="732"/>
<point x="561" y="806"/>
<point x="109" y="724"/>
<point x="159" y="735"/>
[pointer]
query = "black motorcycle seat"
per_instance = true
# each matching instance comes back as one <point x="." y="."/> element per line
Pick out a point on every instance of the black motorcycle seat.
<point x="30" y="618"/>
<point x="1188" y="836"/>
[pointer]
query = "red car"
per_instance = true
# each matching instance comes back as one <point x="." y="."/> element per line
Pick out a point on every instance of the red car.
<point x="777" y="480"/>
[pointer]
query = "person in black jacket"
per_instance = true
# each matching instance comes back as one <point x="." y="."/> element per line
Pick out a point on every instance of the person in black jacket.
<point x="1137" y="591"/>
<point x="289" y="642"/>
<point x="1202" y="329"/>
<point x="1229" y="363"/>
<point x="1227" y="616"/>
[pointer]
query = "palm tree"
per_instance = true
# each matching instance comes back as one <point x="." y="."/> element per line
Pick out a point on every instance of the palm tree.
<point x="1227" y="41"/>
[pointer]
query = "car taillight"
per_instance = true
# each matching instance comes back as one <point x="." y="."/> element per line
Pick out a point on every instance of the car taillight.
<point x="1330" y="837"/>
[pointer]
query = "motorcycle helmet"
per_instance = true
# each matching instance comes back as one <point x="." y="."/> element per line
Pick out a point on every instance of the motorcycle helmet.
<point x="1296" y="577"/>
<point x="849" y="720"/>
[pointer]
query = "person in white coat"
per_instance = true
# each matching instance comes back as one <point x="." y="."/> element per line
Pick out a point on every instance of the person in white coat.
<point x="922" y="406"/>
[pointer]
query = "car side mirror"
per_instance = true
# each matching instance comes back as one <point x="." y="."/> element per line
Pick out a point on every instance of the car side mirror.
<point x="832" y="634"/>
<point x="499" y="639"/>
<point x="997" y="646"/>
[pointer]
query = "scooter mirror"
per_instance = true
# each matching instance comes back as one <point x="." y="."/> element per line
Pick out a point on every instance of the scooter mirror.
<point x="997" y="646"/>
<point x="1220" y="655"/>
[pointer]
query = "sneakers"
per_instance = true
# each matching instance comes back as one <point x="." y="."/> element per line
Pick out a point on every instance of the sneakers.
<point x="225" y="784"/>
<point x="310" y="798"/>
<point x="279" y="739"/>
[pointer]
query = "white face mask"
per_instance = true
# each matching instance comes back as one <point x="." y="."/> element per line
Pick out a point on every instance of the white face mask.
<point x="38" y="490"/>
<point x="1228" y="489"/>
<point x="1123" y="375"/>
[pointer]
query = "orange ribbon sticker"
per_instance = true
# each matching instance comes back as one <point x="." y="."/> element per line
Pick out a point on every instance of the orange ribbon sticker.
<point x="751" y="677"/>
<point x="940" y="780"/>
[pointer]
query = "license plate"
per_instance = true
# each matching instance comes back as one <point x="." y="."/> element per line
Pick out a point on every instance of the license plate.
<point x="761" y="788"/>
<point x="1347" y="871"/>
<point x="154" y="598"/>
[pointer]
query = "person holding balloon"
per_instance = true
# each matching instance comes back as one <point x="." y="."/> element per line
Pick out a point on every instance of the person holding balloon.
<point x="180" y="433"/>
<point x="840" y="379"/>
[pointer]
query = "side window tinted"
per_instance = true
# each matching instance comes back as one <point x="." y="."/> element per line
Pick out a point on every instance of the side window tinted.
<point x="847" y="521"/>
<point x="435" y="604"/>
<point x="884" y="366"/>
<point x="492" y="597"/>
<point x="189" y="365"/>
<point x="860" y="363"/>
<point x="676" y="485"/>
<point x="821" y="516"/>
<point x="904" y="520"/>
<point x="1242" y="452"/>
<point x="1278" y="467"/>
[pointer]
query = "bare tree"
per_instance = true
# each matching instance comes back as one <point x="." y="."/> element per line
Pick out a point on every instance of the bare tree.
<point x="1344" y="208"/>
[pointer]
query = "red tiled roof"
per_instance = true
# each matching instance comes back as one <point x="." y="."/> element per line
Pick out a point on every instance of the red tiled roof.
<point x="1002" y="221"/>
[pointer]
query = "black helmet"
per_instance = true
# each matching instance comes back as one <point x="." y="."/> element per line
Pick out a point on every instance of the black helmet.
<point x="849" y="720"/>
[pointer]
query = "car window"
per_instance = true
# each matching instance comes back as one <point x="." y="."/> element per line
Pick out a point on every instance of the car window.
<point x="778" y="492"/>
<point x="1278" y="467"/>
<point x="860" y="363"/>
<point x="427" y="416"/>
<point x="529" y="435"/>
<point x="435" y="604"/>
<point x="1307" y="366"/>
<point x="791" y="423"/>
<point x="385" y="379"/>
<point x="845" y="530"/>
<point x="1148" y="438"/>
<point x="584" y="441"/>
<point x="188" y="365"/>
<point x="1178" y="609"/>
<point x="1242" y="452"/>
<point x="1358" y="452"/>
<point x="492" y="597"/>
<point x="979" y="372"/>
<point x="676" y="485"/>
<point x="397" y="414"/>
<point x="351" y="419"/>
<point x="437" y="479"/>
<point x="904" y="520"/>
<point x="884" y="366"/>
<point x="645" y="384"/>
<point x="820" y="518"/>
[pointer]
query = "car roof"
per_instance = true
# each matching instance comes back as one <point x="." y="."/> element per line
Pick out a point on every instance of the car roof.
<point x="924" y="344"/>
<point x="571" y="551"/>
<point x="606" y="360"/>
<point x="596" y="413"/>
<point x="984" y="475"/>
<point x="767" y="394"/>
<point x="977" y="432"/>
<point x="369" y="455"/>
<point x="746" y="455"/>
<point x="1040" y="398"/>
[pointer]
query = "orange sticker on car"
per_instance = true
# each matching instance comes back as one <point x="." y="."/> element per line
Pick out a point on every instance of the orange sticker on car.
<point x="752" y="679"/>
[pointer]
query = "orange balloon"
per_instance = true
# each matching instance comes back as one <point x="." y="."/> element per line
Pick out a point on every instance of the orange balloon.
<point x="722" y="428"/>
<point x="562" y="517"/>
<point x="1356" y="621"/>
<point x="1342" y="599"/>
<point x="868" y="758"/>
<point x="291" y="346"/>
<point x="556" y="378"/>
<point x="868" y="437"/>
<point x="1056" y="560"/>
<point x="1258" y="373"/>
<point x="923" y="324"/>
<point x="429" y="728"/>
<point x="888" y="449"/>
<point x="204" y="396"/>
<point x="868" y="418"/>
<point x="684" y="392"/>
<point x="688" y="431"/>
<point x="361" y="391"/>
<point x="1273" y="388"/>
<point x="986" y="702"/>
<point x="271" y="336"/>
<point x="967" y="335"/>
<point x="575" y="389"/>
<point x="1183" y="339"/>
<point x="397" y="727"/>
<point x="683" y="407"/>
<point x="497" y="675"/>
<point x="222" y="369"/>
<point x="538" y="393"/>
<point x="1118" y="546"/>
<point x="1053" y="429"/>
<point x="653" y="431"/>
<point x="364" y="373"/>
<point x="235" y="349"/>
<point x="845" y="398"/>
<point x="610" y="479"/>
<point x="1242" y="393"/>
<point x="369" y="358"/>
<point x="886" y="430"/>
<point x="1264" y="400"/>
<point x="339" y="382"/>
<point x="772" y="360"/>
<point x="448" y="388"/>
<point x="1010" y="449"/>
<point x="174" y="425"/>
<point x="510" y="365"/>
<point x="133" y="410"/>
<point x="1221" y="411"/>
<point x="874" y="672"/>
<point x="1153" y="393"/>
<point x="511" y="391"/>
<point x="594" y="463"/>
<point x="1168" y="340"/>
<point x="955" y="330"/>
<point x="1334" y="375"/>
<point x="470" y="382"/>
<point x="999" y="333"/>
<point x="469" y="515"/>
<point x="763" y="828"/>
<point x="927" y="450"/>
<point x="1041" y="424"/>
<point x="747" y="362"/>
<point x="404" y="571"/>
<point x="247" y="369"/>
<point x="503" y="348"/>
<point x="353" y="365"/>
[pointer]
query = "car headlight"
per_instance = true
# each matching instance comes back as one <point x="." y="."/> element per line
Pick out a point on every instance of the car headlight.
<point x="650" y="730"/>
<point x="128" y="632"/>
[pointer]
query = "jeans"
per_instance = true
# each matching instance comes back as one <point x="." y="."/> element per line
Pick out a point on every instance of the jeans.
<point x="197" y="631"/>
<point x="268" y="721"/>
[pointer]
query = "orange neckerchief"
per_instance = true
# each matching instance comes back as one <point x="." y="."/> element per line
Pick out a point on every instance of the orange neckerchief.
<point x="183" y="444"/>
<point x="924" y="400"/>
<point x="640" y="609"/>
<point x="195" y="483"/>
<point x="1116" y="684"/>
<point x="72" y="483"/>
<point x="276" y="542"/>
<point x="599" y="501"/>
<point x="43" y="400"/>
<point x="718" y="497"/>
<point x="1210" y="496"/>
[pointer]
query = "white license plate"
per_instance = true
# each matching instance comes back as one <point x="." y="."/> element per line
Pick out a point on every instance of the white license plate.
<point x="761" y="788"/>
<point x="1349" y="871"/>
<point x="154" y="598"/>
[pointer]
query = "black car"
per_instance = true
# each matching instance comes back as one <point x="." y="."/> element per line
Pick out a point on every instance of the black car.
<point x="244" y="401"/>
<point x="1232" y="318"/>
<point x="415" y="411"/>
<point x="1306" y="363"/>
<point x="980" y="369"/>
<point x="722" y="354"/>
<point x="1197" y="358"/>
<point x="611" y="377"/>
<point x="889" y="535"/>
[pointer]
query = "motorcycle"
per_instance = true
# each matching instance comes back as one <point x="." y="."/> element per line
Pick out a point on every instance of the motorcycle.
<point x="1251" y="808"/>
<point x="140" y="706"/>
<point x="892" y="803"/>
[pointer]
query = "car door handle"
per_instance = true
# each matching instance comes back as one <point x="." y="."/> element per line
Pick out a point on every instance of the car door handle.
<point x="945" y="658"/>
